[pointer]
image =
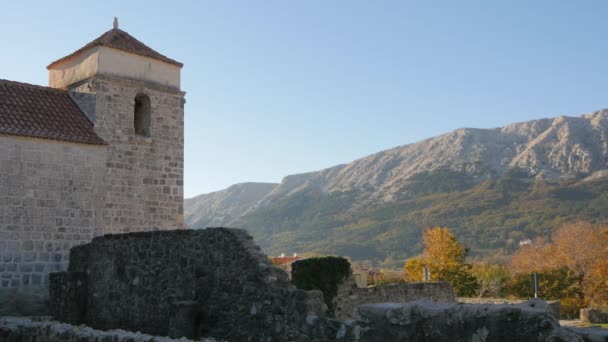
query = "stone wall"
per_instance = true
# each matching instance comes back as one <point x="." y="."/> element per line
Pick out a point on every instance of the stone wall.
<point x="428" y="321"/>
<point x="144" y="188"/>
<point x="212" y="282"/>
<point x="593" y="316"/>
<point x="421" y="321"/>
<point x="24" y="329"/>
<point x="554" y="306"/>
<point x="51" y="196"/>
<point x="350" y="296"/>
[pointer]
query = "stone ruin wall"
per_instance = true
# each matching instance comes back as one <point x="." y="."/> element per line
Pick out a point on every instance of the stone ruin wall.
<point x="144" y="175"/>
<point x="594" y="316"/>
<point x="25" y="329"/>
<point x="429" y="321"/>
<point x="422" y="321"/>
<point x="212" y="282"/>
<point x="51" y="199"/>
<point x="554" y="306"/>
<point x="349" y="296"/>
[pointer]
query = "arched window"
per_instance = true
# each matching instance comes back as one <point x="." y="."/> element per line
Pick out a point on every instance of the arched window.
<point x="141" y="117"/>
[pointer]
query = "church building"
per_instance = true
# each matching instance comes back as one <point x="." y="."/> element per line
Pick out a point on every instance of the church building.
<point x="98" y="151"/>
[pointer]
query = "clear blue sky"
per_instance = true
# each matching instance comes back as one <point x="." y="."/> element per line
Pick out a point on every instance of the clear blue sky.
<point x="283" y="87"/>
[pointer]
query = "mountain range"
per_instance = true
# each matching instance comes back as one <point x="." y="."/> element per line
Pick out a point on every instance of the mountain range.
<point x="493" y="187"/>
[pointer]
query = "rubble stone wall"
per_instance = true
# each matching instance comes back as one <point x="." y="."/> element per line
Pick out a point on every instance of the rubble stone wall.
<point x="428" y="321"/>
<point x="554" y="306"/>
<point x="422" y="321"/>
<point x="350" y="296"/>
<point x="213" y="282"/>
<point x="593" y="316"/>
<point x="25" y="329"/>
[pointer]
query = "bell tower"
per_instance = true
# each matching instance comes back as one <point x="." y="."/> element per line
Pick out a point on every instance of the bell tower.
<point x="132" y="95"/>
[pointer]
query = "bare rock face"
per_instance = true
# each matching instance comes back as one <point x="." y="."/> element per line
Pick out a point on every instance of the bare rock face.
<point x="221" y="208"/>
<point x="428" y="321"/>
<point x="549" y="149"/>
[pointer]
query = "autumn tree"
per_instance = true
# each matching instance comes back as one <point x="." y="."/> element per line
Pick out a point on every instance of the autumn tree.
<point x="597" y="281"/>
<point x="576" y="250"/>
<point x="446" y="259"/>
<point x="552" y="284"/>
<point x="492" y="278"/>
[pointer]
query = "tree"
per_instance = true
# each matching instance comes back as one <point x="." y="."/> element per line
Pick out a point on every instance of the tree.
<point x="580" y="250"/>
<point x="597" y="282"/>
<point x="446" y="259"/>
<point x="552" y="284"/>
<point x="492" y="278"/>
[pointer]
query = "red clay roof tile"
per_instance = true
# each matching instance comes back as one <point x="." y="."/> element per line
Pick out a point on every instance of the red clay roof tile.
<point x="42" y="112"/>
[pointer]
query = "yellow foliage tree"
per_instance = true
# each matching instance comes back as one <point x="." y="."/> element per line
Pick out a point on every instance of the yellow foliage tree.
<point x="414" y="269"/>
<point x="446" y="259"/>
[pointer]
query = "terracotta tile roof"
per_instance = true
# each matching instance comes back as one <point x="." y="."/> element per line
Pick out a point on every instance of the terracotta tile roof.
<point x="285" y="260"/>
<point x="43" y="112"/>
<point x="119" y="39"/>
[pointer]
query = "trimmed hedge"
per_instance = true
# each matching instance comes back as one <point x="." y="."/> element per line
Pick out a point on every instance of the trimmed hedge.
<point x="324" y="273"/>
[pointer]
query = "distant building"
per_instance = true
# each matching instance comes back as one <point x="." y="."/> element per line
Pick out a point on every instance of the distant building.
<point x="525" y="242"/>
<point x="364" y="275"/>
<point x="285" y="262"/>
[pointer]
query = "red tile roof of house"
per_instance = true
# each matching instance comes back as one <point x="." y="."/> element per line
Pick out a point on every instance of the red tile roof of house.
<point x="119" y="39"/>
<point x="285" y="260"/>
<point x="43" y="112"/>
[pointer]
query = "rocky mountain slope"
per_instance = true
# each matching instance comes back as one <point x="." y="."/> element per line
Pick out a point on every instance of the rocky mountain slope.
<point x="305" y="211"/>
<point x="222" y="208"/>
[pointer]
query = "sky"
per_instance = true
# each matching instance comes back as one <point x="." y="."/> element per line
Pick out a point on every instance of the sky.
<point x="283" y="87"/>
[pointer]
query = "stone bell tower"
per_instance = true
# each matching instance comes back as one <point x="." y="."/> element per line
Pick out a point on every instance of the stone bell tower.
<point x="132" y="96"/>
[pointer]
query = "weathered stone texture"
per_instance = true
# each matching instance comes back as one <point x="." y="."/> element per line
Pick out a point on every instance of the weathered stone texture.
<point x="144" y="175"/>
<point x="428" y="321"/>
<point x="349" y="296"/>
<point x="553" y="306"/>
<point x="22" y="329"/>
<point x="68" y="294"/>
<point x="418" y="321"/>
<point x="51" y="196"/>
<point x="593" y="316"/>
<point x="216" y="280"/>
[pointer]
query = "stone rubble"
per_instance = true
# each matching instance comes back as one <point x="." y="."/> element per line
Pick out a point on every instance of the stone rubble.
<point x="429" y="321"/>
<point x="26" y="329"/>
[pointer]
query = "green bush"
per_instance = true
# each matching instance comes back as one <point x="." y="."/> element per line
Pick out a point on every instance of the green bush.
<point x="324" y="274"/>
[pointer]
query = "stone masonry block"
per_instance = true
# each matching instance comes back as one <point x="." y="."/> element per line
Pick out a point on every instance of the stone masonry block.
<point x="68" y="295"/>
